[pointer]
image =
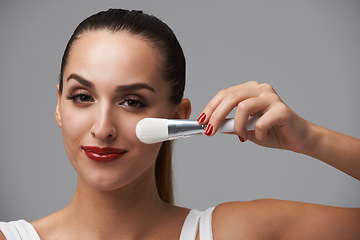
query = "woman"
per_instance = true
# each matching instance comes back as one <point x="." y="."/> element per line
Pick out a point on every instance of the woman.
<point x="122" y="66"/>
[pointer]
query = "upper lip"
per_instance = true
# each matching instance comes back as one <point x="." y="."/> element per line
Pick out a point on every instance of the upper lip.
<point x="104" y="150"/>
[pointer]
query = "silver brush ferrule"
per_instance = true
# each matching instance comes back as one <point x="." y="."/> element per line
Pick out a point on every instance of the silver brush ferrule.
<point x="184" y="128"/>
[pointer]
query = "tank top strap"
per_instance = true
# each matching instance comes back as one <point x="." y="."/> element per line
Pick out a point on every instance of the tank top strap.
<point x="190" y="226"/>
<point x="197" y="220"/>
<point x="19" y="230"/>
<point x="205" y="229"/>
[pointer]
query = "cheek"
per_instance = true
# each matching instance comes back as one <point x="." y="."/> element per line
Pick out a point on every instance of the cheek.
<point x="74" y="126"/>
<point x="127" y="123"/>
<point x="128" y="131"/>
<point x="127" y="127"/>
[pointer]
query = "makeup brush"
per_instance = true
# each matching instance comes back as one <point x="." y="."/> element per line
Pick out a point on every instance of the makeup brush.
<point x="154" y="130"/>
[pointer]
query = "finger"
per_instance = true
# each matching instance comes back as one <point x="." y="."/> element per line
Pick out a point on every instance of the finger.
<point x="220" y="113"/>
<point x="210" y="107"/>
<point x="242" y="91"/>
<point x="276" y="116"/>
<point x="246" y="108"/>
<point x="250" y="107"/>
<point x="226" y="101"/>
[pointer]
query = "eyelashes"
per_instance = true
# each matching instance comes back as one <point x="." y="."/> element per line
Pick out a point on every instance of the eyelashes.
<point x="83" y="98"/>
<point x="80" y="98"/>
<point x="134" y="102"/>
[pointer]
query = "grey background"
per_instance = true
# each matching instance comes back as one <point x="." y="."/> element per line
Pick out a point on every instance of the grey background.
<point x="308" y="50"/>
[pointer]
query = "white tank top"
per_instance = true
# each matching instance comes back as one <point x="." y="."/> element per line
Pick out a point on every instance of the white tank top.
<point x="18" y="230"/>
<point x="197" y="219"/>
<point x="23" y="230"/>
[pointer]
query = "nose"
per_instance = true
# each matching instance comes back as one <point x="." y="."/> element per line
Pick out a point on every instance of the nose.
<point x="104" y="127"/>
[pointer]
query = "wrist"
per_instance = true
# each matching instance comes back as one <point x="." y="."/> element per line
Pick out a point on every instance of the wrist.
<point x="313" y="140"/>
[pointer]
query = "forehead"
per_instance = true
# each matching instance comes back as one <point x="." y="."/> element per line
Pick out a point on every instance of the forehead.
<point x="110" y="56"/>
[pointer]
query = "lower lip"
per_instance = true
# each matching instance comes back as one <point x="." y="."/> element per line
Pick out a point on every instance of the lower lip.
<point x="103" y="157"/>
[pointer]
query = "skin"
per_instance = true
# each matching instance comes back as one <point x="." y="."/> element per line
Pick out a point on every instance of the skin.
<point x="118" y="200"/>
<point x="280" y="127"/>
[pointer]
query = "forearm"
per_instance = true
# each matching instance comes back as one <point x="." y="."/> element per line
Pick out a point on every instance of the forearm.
<point x="338" y="150"/>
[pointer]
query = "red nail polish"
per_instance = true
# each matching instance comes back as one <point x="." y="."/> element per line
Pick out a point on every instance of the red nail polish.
<point x="202" y="118"/>
<point x="241" y="139"/>
<point x="209" y="130"/>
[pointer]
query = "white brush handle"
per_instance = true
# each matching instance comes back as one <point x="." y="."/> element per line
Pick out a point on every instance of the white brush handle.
<point x="228" y="124"/>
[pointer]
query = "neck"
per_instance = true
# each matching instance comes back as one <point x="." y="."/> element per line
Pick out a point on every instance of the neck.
<point x="131" y="211"/>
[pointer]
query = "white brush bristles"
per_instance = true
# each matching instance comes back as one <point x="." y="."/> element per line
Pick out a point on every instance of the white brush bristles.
<point x="152" y="130"/>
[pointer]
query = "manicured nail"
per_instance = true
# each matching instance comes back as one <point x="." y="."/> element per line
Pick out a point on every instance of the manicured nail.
<point x="202" y="118"/>
<point x="241" y="139"/>
<point x="209" y="130"/>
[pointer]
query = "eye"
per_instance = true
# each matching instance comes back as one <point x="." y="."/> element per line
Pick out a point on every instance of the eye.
<point x="80" y="98"/>
<point x="133" y="102"/>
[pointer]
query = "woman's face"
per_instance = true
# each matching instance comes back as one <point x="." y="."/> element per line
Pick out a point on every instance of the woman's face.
<point x="111" y="81"/>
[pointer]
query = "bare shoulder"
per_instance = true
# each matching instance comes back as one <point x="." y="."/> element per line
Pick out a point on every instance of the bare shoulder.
<point x="269" y="219"/>
<point x="249" y="219"/>
<point x="49" y="226"/>
<point x="2" y="237"/>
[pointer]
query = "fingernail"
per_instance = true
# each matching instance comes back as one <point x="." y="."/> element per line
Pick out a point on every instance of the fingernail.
<point x="202" y="118"/>
<point x="241" y="139"/>
<point x="209" y="130"/>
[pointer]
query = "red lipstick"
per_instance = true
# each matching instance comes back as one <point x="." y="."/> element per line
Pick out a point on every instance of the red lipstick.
<point x="103" y="154"/>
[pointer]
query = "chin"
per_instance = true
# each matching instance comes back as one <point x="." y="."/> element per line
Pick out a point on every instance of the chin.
<point x="115" y="179"/>
<point x="103" y="181"/>
<point x="104" y="184"/>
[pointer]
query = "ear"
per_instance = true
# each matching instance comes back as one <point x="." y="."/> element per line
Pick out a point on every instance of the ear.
<point x="183" y="109"/>
<point x="57" y="111"/>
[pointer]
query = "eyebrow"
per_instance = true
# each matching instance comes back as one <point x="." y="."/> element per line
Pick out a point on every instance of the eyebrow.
<point x="81" y="80"/>
<point x="122" y="88"/>
<point x="134" y="87"/>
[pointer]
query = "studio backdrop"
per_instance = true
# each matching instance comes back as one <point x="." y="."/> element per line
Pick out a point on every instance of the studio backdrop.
<point x="308" y="50"/>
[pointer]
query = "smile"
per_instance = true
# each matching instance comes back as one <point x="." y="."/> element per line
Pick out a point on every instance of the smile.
<point x="103" y="154"/>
